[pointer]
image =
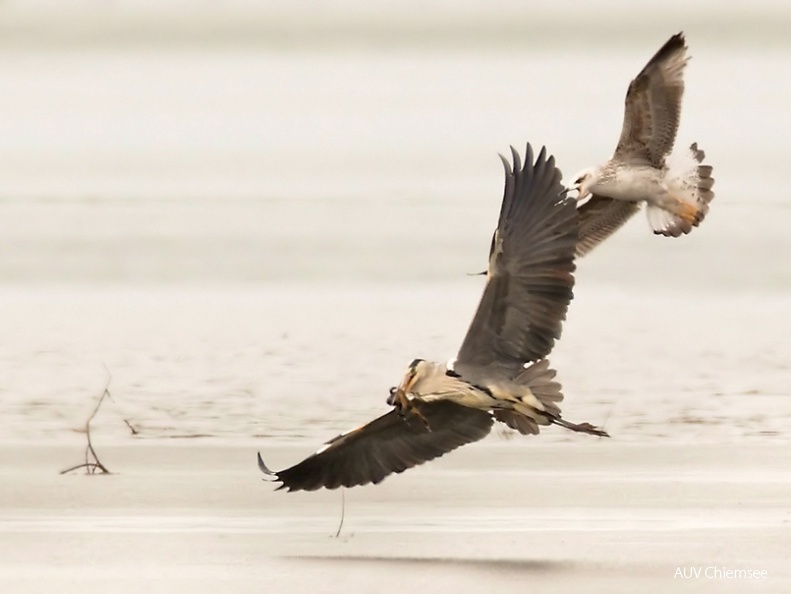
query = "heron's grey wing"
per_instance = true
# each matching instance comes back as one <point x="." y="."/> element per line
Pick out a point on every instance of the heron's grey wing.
<point x="600" y="217"/>
<point x="389" y="444"/>
<point x="531" y="264"/>
<point x="653" y="106"/>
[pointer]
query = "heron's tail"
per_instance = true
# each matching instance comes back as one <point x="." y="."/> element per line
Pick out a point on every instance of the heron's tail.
<point x="690" y="183"/>
<point x="539" y="379"/>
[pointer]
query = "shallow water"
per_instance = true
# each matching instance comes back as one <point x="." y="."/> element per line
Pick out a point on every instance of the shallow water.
<point x="606" y="516"/>
<point x="255" y="234"/>
<point x="246" y="218"/>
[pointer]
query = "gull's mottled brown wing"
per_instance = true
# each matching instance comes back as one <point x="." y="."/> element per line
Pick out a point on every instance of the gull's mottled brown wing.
<point x="653" y="106"/>
<point x="530" y="276"/>
<point x="389" y="444"/>
<point x="600" y="217"/>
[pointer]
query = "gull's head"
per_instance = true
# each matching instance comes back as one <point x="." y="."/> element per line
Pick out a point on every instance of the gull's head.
<point x="585" y="181"/>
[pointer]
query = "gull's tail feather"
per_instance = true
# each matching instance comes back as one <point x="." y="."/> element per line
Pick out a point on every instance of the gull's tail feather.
<point x="690" y="184"/>
<point x="704" y="180"/>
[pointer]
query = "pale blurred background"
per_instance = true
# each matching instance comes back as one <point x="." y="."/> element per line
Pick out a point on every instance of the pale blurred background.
<point x="229" y="203"/>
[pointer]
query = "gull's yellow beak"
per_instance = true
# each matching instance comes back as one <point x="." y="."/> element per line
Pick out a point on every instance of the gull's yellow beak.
<point x="575" y="188"/>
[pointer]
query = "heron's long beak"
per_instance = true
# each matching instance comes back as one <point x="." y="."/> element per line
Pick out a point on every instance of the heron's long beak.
<point x="404" y="405"/>
<point x="406" y="384"/>
<point x="398" y="396"/>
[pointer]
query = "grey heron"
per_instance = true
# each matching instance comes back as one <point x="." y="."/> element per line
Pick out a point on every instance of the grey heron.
<point x="500" y="372"/>
<point x="678" y="196"/>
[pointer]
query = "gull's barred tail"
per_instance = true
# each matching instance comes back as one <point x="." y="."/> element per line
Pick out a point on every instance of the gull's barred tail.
<point x="704" y="179"/>
<point x="691" y="181"/>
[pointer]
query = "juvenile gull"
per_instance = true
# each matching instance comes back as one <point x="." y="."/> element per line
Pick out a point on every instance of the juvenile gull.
<point x="500" y="372"/>
<point x="678" y="196"/>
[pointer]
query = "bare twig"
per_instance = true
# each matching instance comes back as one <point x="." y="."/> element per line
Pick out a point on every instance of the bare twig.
<point x="609" y="412"/>
<point x="131" y="427"/>
<point x="343" y="512"/>
<point x="92" y="464"/>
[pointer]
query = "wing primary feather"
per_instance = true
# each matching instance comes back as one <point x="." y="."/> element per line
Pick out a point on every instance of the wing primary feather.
<point x="600" y="217"/>
<point x="517" y="161"/>
<point x="263" y="467"/>
<point x="506" y="165"/>
<point x="386" y="445"/>
<point x="652" y="108"/>
<point x="530" y="279"/>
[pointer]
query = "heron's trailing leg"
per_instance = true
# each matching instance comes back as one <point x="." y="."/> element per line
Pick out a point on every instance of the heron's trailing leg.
<point x="580" y="427"/>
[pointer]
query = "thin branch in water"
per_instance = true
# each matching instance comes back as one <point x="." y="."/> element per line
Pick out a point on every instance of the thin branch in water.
<point x="609" y="413"/>
<point x="127" y="422"/>
<point x="343" y="511"/>
<point x="131" y="427"/>
<point x="92" y="464"/>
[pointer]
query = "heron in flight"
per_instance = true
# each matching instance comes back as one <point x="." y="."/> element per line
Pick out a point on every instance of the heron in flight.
<point x="678" y="196"/>
<point x="500" y="373"/>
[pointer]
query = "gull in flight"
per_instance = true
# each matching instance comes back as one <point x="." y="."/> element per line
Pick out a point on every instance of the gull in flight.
<point x="678" y="196"/>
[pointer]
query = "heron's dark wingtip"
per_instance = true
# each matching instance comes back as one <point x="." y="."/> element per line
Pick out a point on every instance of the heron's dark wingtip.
<point x="516" y="159"/>
<point x="264" y="468"/>
<point x="542" y="156"/>
<point x="270" y="474"/>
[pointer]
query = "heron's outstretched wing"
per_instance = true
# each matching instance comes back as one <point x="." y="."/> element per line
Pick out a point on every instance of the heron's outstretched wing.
<point x="600" y="217"/>
<point x="653" y="106"/>
<point x="389" y="444"/>
<point x="529" y="281"/>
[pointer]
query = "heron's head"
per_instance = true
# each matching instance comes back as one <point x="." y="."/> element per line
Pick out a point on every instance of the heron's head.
<point x="412" y="375"/>
<point x="584" y="181"/>
<point x="414" y="372"/>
